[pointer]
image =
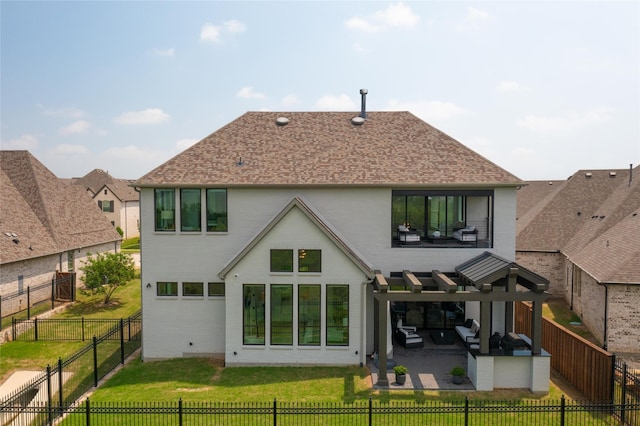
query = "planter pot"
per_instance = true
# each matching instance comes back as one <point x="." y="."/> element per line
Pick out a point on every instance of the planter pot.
<point x="401" y="379"/>
<point x="458" y="380"/>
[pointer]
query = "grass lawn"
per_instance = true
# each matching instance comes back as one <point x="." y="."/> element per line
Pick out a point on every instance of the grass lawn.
<point x="205" y="380"/>
<point x="124" y="302"/>
<point x="131" y="245"/>
<point x="557" y="310"/>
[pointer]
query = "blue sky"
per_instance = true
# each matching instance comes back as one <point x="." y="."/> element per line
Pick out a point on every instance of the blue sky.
<point x="541" y="88"/>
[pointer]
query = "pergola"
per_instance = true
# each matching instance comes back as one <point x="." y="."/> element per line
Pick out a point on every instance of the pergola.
<point x="486" y="279"/>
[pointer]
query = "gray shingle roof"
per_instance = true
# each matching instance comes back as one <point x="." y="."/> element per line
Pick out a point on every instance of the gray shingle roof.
<point x="46" y="214"/>
<point x="325" y="148"/>
<point x="97" y="179"/>
<point x="594" y="220"/>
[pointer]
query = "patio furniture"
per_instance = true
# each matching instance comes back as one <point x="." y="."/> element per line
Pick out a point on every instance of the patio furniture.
<point x="443" y="337"/>
<point x="408" y="235"/>
<point x="468" y="234"/>
<point x="469" y="332"/>
<point x="407" y="337"/>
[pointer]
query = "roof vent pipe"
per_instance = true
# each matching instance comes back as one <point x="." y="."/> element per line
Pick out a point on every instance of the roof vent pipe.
<point x="363" y="109"/>
<point x="630" y="173"/>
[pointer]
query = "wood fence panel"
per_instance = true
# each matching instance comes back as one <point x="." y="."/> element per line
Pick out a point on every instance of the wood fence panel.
<point x="586" y="366"/>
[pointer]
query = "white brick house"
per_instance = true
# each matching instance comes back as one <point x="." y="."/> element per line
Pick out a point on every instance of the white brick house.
<point x="260" y="243"/>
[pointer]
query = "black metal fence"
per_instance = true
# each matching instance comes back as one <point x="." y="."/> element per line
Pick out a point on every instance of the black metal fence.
<point x="463" y="412"/>
<point x="626" y="391"/>
<point x="77" y="329"/>
<point x="63" y="384"/>
<point x="59" y="290"/>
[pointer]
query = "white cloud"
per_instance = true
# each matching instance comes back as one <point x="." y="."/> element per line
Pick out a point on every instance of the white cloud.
<point x="336" y="103"/>
<point x="290" y="100"/>
<point x="183" y="144"/>
<point x="395" y="16"/>
<point x="429" y="111"/>
<point x="568" y="122"/>
<point x="214" y="33"/>
<point x="247" y="92"/>
<point x="24" y="142"/>
<point x="75" y="128"/>
<point x="67" y="149"/>
<point x="511" y="86"/>
<point x="64" y="112"/>
<point x="146" y="116"/>
<point x="165" y="52"/>
<point x="473" y="19"/>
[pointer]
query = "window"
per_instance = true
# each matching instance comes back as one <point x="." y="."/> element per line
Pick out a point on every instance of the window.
<point x="105" y="192"/>
<point x="253" y="314"/>
<point x="167" y="288"/>
<point x="309" y="315"/>
<point x="215" y="289"/>
<point x="217" y="210"/>
<point x="337" y="315"/>
<point x="190" y="210"/>
<point x="71" y="263"/>
<point x="309" y="260"/>
<point x="192" y="289"/>
<point x="106" y="205"/>
<point x="281" y="260"/>
<point x="281" y="314"/>
<point x="165" y="202"/>
<point x="436" y="214"/>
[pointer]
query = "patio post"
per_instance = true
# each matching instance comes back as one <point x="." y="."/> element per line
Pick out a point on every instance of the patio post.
<point x="485" y="325"/>
<point x="383" y="313"/>
<point x="536" y="325"/>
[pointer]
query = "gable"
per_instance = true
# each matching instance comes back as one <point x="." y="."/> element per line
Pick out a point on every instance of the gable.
<point x="297" y="226"/>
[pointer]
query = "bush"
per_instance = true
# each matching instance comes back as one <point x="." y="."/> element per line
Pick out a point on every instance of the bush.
<point x="400" y="369"/>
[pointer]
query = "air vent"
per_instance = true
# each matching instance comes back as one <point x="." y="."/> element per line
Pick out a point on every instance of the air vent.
<point x="282" y="121"/>
<point x="612" y="174"/>
<point x="357" y="121"/>
<point x="588" y="174"/>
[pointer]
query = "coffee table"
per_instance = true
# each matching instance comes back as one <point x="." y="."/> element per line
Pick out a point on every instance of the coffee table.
<point x="443" y="337"/>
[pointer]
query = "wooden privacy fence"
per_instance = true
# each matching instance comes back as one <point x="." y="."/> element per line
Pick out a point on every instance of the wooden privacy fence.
<point x="586" y="366"/>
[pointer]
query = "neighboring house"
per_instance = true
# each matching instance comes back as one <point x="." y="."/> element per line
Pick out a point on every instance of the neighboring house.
<point x="45" y="225"/>
<point x="584" y="234"/>
<point x="271" y="240"/>
<point x="119" y="202"/>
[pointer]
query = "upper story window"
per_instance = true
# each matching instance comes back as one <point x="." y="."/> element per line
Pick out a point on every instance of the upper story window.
<point x="216" y="210"/>
<point x="309" y="260"/>
<point x="190" y="210"/>
<point x="281" y="260"/>
<point x="165" y="213"/>
<point x="106" y="205"/>
<point x="442" y="219"/>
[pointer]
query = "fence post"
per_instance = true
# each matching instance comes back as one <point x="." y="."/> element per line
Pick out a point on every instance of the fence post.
<point x="82" y="329"/>
<point x="60" y="397"/>
<point x="35" y="328"/>
<point x="623" y="398"/>
<point x="88" y="415"/>
<point x="466" y="411"/>
<point x="562" y="410"/>
<point x="275" y="419"/>
<point x="370" y="412"/>
<point x="95" y="362"/>
<point x="28" y="302"/>
<point x="0" y="312"/>
<point x="121" y="341"/>
<point x="13" y="328"/>
<point x="180" y="412"/>
<point x="49" y="403"/>
<point x="53" y="292"/>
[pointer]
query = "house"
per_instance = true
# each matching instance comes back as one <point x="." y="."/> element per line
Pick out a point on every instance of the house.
<point x="272" y="240"/>
<point x="584" y="234"/>
<point x="46" y="227"/>
<point x="116" y="198"/>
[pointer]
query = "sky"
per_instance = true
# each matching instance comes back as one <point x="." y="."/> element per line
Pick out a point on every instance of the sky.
<point x="541" y="88"/>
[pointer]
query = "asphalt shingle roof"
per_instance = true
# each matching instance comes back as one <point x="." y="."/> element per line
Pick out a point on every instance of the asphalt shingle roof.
<point x="325" y="148"/>
<point x="47" y="215"/>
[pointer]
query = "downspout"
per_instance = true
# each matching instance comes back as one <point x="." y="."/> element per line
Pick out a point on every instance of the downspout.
<point x="141" y="278"/>
<point x="606" y="315"/>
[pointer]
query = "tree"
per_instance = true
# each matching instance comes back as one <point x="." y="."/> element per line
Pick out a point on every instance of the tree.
<point x="105" y="272"/>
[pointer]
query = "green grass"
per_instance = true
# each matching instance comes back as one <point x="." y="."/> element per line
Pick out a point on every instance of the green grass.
<point x="130" y="245"/>
<point x="125" y="301"/>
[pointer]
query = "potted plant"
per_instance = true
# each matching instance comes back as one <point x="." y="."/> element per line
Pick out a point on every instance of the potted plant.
<point x="458" y="374"/>
<point x="401" y="374"/>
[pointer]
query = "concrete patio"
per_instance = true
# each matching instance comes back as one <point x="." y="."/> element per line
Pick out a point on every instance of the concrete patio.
<point x="428" y="366"/>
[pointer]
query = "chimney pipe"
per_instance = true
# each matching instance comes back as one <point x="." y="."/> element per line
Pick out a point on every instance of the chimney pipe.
<point x="363" y="109"/>
<point x="630" y="173"/>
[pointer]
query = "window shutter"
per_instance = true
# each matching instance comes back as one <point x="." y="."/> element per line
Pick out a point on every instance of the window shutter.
<point x="111" y="206"/>
<point x="100" y="204"/>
